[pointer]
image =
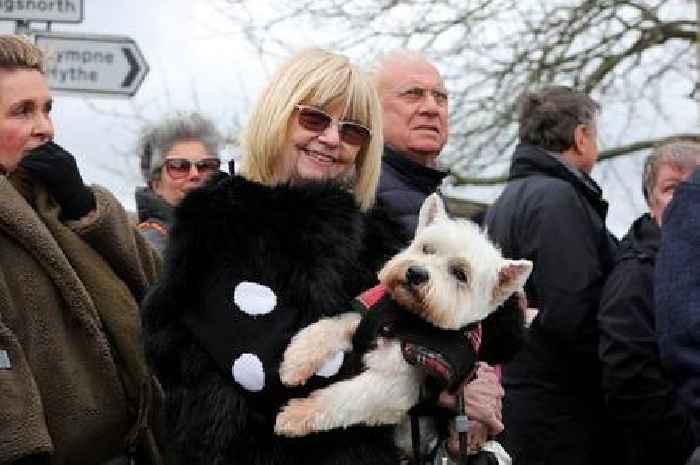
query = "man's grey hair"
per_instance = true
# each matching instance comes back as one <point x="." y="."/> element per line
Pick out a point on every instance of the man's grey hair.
<point x="382" y="61"/>
<point x="157" y="139"/>
<point x="548" y="116"/>
<point x="683" y="154"/>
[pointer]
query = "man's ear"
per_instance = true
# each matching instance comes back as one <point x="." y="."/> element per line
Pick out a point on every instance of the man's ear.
<point x="512" y="276"/>
<point x="432" y="210"/>
<point x="581" y="138"/>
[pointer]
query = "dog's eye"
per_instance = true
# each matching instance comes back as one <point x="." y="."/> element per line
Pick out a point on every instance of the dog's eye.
<point x="428" y="249"/>
<point x="459" y="274"/>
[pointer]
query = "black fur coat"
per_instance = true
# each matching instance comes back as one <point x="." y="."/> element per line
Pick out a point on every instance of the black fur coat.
<point x="313" y="250"/>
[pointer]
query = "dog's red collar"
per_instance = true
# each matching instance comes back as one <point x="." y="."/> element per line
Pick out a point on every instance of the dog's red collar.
<point x="371" y="296"/>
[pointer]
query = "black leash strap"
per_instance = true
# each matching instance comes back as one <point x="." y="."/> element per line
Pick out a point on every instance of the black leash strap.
<point x="462" y="429"/>
<point x="415" y="439"/>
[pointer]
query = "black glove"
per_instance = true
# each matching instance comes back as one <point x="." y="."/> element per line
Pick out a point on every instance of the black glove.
<point x="57" y="169"/>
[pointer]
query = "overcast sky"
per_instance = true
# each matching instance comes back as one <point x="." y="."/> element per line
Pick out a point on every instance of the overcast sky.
<point x="197" y="62"/>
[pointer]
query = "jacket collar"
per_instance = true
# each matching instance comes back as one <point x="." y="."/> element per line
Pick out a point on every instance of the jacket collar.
<point x="151" y="205"/>
<point x="529" y="160"/>
<point x="642" y="240"/>
<point x="423" y="177"/>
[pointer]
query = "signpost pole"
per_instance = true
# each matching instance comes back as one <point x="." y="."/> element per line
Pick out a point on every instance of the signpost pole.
<point x="22" y="27"/>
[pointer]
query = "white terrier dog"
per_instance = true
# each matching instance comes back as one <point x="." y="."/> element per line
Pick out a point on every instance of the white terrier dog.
<point x="451" y="276"/>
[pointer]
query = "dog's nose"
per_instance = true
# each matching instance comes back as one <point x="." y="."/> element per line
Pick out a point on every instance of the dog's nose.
<point x="416" y="275"/>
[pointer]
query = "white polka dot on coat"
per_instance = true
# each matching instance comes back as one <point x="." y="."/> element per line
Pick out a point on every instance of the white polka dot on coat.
<point x="254" y="299"/>
<point x="248" y="371"/>
<point x="332" y="365"/>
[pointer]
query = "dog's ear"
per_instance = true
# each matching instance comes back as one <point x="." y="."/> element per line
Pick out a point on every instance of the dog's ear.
<point x="511" y="278"/>
<point x="432" y="210"/>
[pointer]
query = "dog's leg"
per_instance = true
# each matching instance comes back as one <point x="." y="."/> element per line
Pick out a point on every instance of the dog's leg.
<point x="381" y="395"/>
<point x="315" y="344"/>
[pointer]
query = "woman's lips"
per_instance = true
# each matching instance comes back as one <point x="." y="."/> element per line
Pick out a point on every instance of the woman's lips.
<point x="319" y="157"/>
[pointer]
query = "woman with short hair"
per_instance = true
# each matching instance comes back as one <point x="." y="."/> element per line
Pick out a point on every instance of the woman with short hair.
<point x="177" y="155"/>
<point x="74" y="386"/>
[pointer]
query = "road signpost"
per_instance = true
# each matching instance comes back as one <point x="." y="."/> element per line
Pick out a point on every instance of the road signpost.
<point x="52" y="11"/>
<point x="92" y="64"/>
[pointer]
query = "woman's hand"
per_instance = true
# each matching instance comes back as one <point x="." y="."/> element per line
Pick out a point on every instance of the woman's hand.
<point x="57" y="169"/>
<point x="483" y="405"/>
<point x="478" y="435"/>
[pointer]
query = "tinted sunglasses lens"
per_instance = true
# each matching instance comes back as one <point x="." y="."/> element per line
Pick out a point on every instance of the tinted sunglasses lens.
<point x="354" y="134"/>
<point x="178" y="167"/>
<point x="208" y="165"/>
<point x="313" y="120"/>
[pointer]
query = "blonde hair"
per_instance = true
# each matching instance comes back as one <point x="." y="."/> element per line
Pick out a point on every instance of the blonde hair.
<point x="16" y="52"/>
<point x="319" y="78"/>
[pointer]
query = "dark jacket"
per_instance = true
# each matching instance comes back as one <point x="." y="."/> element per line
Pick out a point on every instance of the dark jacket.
<point x="314" y="251"/>
<point x="155" y="217"/>
<point x="403" y="186"/>
<point x="638" y="391"/>
<point x="677" y="294"/>
<point x="554" y="215"/>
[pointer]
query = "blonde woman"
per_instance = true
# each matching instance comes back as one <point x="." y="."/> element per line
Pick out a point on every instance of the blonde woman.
<point x="254" y="258"/>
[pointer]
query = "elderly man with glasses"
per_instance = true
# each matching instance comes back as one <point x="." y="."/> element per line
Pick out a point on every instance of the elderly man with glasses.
<point x="414" y="102"/>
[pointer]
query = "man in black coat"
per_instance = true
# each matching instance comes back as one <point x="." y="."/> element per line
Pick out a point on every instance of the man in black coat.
<point x="647" y="410"/>
<point x="553" y="213"/>
<point x="414" y="108"/>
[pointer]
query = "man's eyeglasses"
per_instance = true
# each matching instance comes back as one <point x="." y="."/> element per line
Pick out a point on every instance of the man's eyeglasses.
<point x="313" y="119"/>
<point x="179" y="168"/>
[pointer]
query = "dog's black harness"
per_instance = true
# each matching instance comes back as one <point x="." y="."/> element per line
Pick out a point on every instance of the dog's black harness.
<point x="447" y="356"/>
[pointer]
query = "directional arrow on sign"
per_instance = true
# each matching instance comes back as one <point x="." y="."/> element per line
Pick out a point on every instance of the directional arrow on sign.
<point x="92" y="64"/>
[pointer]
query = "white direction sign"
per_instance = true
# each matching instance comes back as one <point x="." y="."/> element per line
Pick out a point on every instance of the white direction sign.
<point x="92" y="64"/>
<point x="57" y="11"/>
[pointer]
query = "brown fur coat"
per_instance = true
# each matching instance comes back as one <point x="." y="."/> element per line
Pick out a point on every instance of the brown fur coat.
<point x="63" y="392"/>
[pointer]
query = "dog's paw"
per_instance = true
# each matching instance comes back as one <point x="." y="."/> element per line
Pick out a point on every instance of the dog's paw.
<point x="296" y="372"/>
<point x="296" y="418"/>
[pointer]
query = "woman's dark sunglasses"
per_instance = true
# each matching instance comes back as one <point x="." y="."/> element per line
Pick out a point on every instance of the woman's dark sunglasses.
<point x="313" y="119"/>
<point x="179" y="168"/>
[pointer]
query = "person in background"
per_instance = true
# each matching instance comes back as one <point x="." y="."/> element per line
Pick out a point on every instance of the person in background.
<point x="414" y="111"/>
<point x="256" y="257"/>
<point x="639" y="393"/>
<point x="552" y="213"/>
<point x="677" y="296"/>
<point x="74" y="385"/>
<point x="177" y="155"/>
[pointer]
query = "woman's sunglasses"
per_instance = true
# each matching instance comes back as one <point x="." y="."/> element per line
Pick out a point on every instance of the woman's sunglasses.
<point x="313" y="119"/>
<point x="179" y="168"/>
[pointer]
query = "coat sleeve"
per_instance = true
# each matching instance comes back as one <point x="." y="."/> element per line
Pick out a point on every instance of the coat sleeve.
<point x="638" y="392"/>
<point x="677" y="294"/>
<point x="200" y="412"/>
<point x="109" y="231"/>
<point x="561" y="239"/>
<point x="23" y="429"/>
